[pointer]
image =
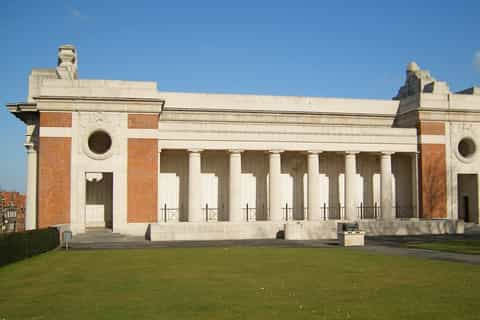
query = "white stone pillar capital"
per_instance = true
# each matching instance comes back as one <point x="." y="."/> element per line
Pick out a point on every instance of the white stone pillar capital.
<point x="30" y="147"/>
<point x="235" y="151"/>
<point x="275" y="151"/>
<point x="386" y="154"/>
<point x="351" y="153"/>
<point x="195" y="151"/>
<point x="313" y="152"/>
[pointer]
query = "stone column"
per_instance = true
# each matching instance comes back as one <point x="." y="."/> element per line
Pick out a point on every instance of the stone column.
<point x="386" y="186"/>
<point x="32" y="167"/>
<point x="235" y="187"/>
<point x="274" y="190"/>
<point x="31" y="205"/>
<point x="313" y="196"/>
<point x="160" y="213"/>
<point x="194" y="187"/>
<point x="350" y="184"/>
<point x="415" y="188"/>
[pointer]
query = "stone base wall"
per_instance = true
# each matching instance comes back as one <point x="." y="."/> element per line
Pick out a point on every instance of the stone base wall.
<point x="411" y="227"/>
<point x="301" y="230"/>
<point x="216" y="231"/>
<point x="310" y="230"/>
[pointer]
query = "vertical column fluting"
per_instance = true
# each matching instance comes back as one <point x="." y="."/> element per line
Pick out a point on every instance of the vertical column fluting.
<point x="313" y="195"/>
<point x="235" y="187"/>
<point x="274" y="190"/>
<point x="350" y="184"/>
<point x="194" y="186"/>
<point x="386" y="185"/>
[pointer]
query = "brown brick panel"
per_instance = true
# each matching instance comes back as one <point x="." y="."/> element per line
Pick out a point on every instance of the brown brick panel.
<point x="431" y="128"/>
<point x="54" y="181"/>
<point x="433" y="181"/>
<point x="142" y="121"/>
<point x="56" y="119"/>
<point x="142" y="180"/>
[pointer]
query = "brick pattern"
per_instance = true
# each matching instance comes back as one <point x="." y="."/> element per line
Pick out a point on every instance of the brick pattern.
<point x="433" y="181"/>
<point x="142" y="121"/>
<point x="431" y="128"/>
<point x="54" y="181"/>
<point x="142" y="180"/>
<point x="56" y="119"/>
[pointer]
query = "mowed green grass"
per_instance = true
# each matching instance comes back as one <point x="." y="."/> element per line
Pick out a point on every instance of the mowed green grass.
<point x="237" y="283"/>
<point x="456" y="246"/>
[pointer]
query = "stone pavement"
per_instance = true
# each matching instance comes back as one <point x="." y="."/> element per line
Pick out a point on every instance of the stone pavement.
<point x="396" y="245"/>
<point x="389" y="245"/>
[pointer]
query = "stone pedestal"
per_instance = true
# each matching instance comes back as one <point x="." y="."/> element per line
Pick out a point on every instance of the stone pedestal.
<point x="351" y="238"/>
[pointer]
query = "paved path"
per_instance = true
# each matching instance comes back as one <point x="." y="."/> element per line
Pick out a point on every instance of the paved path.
<point x="201" y="244"/>
<point x="422" y="253"/>
<point x="396" y="245"/>
<point x="389" y="245"/>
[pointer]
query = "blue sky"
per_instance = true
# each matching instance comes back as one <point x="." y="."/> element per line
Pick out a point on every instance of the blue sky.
<point x="355" y="49"/>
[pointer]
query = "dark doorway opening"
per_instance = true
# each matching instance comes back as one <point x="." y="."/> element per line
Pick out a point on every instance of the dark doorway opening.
<point x="99" y="200"/>
<point x="467" y="197"/>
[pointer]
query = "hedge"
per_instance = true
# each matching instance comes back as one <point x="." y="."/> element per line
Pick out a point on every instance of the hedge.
<point x="20" y="245"/>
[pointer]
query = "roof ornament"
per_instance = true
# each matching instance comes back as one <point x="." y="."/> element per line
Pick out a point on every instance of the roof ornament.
<point x="67" y="62"/>
<point x="420" y="81"/>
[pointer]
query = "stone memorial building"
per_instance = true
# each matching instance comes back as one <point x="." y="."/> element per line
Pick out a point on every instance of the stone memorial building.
<point x="125" y="156"/>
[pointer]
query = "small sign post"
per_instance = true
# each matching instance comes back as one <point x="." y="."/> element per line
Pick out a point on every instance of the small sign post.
<point x="67" y="236"/>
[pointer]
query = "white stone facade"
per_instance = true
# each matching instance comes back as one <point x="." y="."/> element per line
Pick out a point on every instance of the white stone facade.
<point x="245" y="166"/>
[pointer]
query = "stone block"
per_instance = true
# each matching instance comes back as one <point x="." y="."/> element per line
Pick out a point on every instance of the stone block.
<point x="351" y="238"/>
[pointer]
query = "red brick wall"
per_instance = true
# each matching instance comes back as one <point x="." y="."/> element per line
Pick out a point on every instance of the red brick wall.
<point x="55" y="119"/>
<point x="432" y="173"/>
<point x="142" y="180"/>
<point x="142" y="121"/>
<point x="53" y="181"/>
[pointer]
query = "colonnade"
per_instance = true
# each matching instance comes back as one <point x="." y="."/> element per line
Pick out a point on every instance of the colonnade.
<point x="274" y="190"/>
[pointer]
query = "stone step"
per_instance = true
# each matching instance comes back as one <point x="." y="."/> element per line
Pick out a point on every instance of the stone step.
<point x="102" y="235"/>
<point x="471" y="227"/>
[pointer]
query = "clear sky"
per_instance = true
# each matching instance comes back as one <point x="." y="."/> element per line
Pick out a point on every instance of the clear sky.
<point x="355" y="49"/>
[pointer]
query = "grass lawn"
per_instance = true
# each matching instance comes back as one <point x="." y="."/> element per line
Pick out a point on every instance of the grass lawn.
<point x="456" y="246"/>
<point x="237" y="283"/>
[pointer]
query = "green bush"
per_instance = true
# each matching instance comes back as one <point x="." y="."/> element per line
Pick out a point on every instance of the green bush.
<point x="20" y="245"/>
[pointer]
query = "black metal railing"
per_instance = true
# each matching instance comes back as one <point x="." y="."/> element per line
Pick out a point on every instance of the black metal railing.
<point x="170" y="214"/>
<point x="287" y="212"/>
<point x="369" y="212"/>
<point x="333" y="212"/>
<point x="210" y="214"/>
<point x="250" y="213"/>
